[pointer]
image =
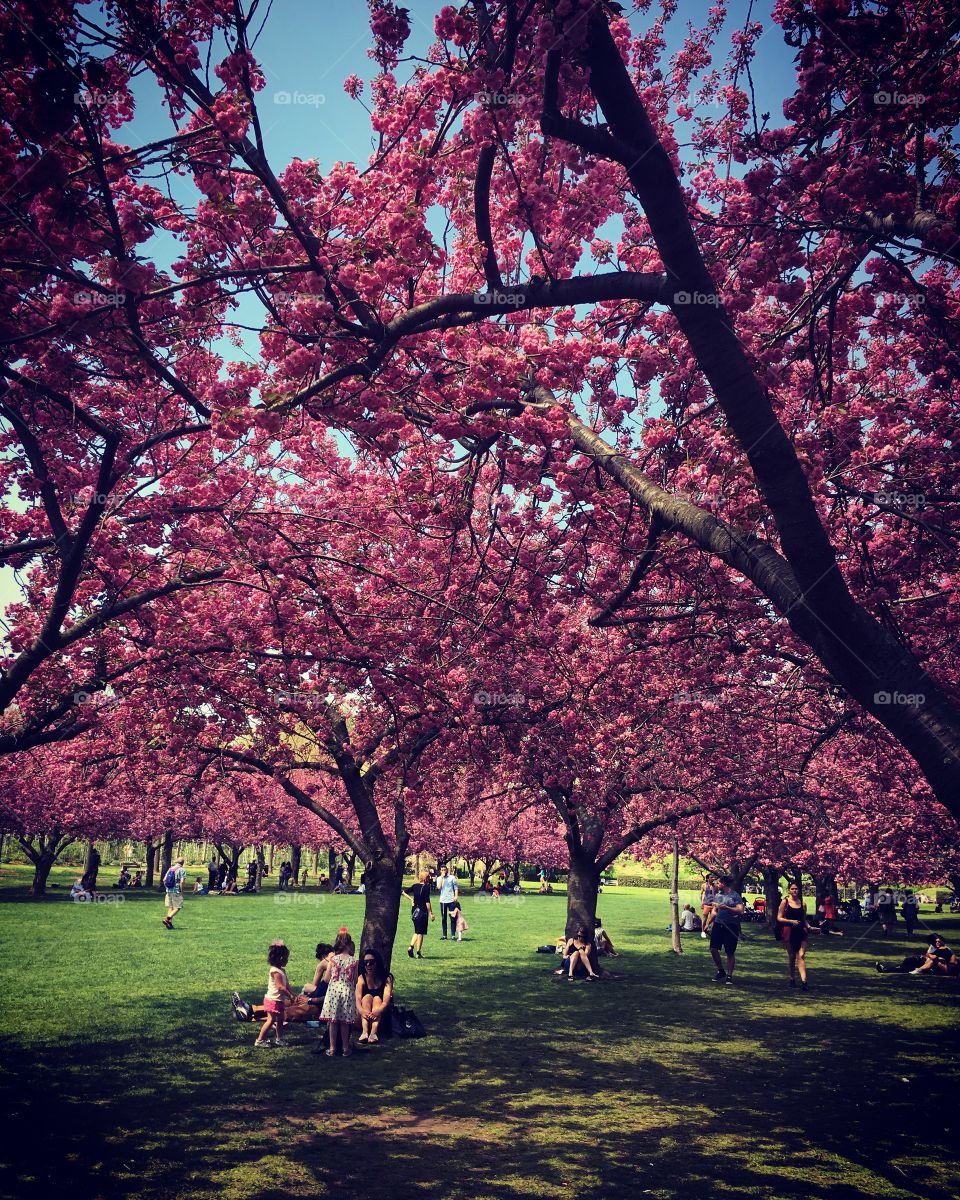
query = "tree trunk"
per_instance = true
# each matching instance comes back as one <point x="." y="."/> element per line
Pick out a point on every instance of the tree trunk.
<point x="826" y="886"/>
<point x="43" y="855"/>
<point x="233" y="860"/>
<point x="295" y="852"/>
<point x="270" y="850"/>
<point x="472" y="868"/>
<point x="261" y="866"/>
<point x="331" y="868"/>
<point x="863" y="655"/>
<point x="351" y="863"/>
<point x="166" y="855"/>
<point x="583" y="886"/>
<point x="771" y="894"/>
<point x="42" y="865"/>
<point x="675" y="898"/>
<point x="381" y="908"/>
<point x="149" y="856"/>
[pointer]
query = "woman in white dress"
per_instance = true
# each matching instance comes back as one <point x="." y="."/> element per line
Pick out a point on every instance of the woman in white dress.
<point x="340" y="1003"/>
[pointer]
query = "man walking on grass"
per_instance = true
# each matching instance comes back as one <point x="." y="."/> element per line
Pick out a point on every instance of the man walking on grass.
<point x="173" y="886"/>
<point x="728" y="907"/>
<point x="449" y="893"/>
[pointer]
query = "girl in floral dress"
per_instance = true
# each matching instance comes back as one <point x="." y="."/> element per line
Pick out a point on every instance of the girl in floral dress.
<point x="340" y="1003"/>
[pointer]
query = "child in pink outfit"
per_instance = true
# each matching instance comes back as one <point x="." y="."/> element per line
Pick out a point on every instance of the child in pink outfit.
<point x="278" y="993"/>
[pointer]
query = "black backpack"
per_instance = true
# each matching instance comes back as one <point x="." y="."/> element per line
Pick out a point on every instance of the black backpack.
<point x="406" y="1023"/>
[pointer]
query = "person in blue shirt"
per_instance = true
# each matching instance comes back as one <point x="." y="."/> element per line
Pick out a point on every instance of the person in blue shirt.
<point x="728" y="907"/>
<point x="449" y="894"/>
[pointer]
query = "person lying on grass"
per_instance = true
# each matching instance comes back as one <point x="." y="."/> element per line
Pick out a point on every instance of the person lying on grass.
<point x="939" y="956"/>
<point x="938" y="960"/>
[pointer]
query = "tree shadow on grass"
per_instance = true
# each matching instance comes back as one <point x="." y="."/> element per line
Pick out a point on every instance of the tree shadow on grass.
<point x="662" y="1084"/>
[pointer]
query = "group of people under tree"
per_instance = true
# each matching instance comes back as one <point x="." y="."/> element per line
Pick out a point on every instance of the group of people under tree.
<point x="346" y="992"/>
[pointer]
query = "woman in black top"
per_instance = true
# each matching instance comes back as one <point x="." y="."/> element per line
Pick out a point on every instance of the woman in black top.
<point x="374" y="997"/>
<point x="421" y="912"/>
<point x="792" y="922"/>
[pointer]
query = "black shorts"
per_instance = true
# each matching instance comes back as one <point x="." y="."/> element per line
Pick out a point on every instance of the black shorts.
<point x="725" y="938"/>
<point x="798" y="935"/>
<point x="420" y="925"/>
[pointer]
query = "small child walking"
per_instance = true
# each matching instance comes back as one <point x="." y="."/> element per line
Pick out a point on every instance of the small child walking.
<point x="459" y="924"/>
<point x="340" y="1003"/>
<point x="278" y="993"/>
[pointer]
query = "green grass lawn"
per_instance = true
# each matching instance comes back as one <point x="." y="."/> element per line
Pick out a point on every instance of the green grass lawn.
<point x="126" y="1075"/>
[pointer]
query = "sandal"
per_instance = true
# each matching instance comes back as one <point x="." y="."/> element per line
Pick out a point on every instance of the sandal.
<point x="362" y="1038"/>
<point x="328" y="1053"/>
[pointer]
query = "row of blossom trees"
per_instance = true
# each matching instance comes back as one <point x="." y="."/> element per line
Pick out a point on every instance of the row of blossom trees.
<point x="594" y="477"/>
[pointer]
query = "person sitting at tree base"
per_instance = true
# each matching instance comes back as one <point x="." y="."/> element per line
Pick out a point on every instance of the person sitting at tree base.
<point x="601" y="940"/>
<point x="579" y="957"/>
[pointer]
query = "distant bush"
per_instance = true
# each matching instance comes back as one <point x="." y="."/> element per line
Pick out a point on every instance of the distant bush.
<point x="645" y="881"/>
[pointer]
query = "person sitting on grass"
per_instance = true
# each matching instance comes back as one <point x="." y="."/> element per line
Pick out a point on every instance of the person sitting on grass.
<point x="78" y="891"/>
<point x="315" y="991"/>
<point x="199" y="887"/>
<point x="301" y="1008"/>
<point x="601" y="939"/>
<point x="578" y="955"/>
<point x="137" y="880"/>
<point x="374" y="997"/>
<point x="938" y="960"/>
<point x="689" y="921"/>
